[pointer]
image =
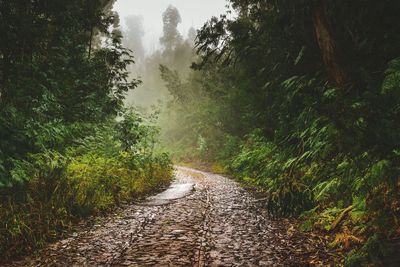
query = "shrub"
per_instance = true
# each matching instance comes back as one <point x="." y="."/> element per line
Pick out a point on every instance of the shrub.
<point x="53" y="190"/>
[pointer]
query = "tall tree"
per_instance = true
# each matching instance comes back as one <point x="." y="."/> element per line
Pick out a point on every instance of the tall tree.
<point x="171" y="36"/>
<point x="329" y="48"/>
<point x="53" y="77"/>
<point x="133" y="37"/>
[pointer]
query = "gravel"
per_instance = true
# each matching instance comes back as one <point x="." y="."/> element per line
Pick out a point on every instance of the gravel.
<point x="214" y="222"/>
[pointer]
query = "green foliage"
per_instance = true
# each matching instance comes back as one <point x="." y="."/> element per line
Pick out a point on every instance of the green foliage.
<point x="129" y="130"/>
<point x="56" y="190"/>
<point x="68" y="148"/>
<point x="373" y="251"/>
<point x="101" y="183"/>
<point x="261" y="161"/>
<point x="53" y="80"/>
<point x="323" y="147"/>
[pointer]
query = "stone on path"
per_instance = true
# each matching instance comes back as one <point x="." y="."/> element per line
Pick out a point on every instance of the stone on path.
<point x="203" y="219"/>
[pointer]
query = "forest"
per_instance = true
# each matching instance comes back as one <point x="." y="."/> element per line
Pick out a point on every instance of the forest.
<point x="64" y="155"/>
<point x="298" y="99"/>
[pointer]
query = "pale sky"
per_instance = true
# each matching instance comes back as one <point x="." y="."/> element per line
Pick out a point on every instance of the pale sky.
<point x="193" y="12"/>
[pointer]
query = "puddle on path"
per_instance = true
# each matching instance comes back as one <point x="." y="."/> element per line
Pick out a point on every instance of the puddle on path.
<point x="175" y="191"/>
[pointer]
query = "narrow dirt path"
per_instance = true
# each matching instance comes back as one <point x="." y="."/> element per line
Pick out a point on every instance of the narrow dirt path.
<point x="217" y="224"/>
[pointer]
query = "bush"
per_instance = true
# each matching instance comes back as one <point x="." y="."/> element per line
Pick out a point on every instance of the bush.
<point x="63" y="190"/>
<point x="57" y="189"/>
<point x="264" y="165"/>
<point x="354" y="197"/>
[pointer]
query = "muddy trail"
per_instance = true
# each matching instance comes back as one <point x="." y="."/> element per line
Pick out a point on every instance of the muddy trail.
<point x="203" y="219"/>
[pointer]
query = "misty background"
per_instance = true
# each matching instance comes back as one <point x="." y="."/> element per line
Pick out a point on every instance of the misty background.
<point x="161" y="32"/>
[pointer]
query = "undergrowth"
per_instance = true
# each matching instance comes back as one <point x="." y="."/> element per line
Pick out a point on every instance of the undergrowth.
<point x="62" y="188"/>
<point x="354" y="199"/>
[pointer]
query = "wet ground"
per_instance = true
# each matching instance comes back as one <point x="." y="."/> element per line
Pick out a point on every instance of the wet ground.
<point x="203" y="219"/>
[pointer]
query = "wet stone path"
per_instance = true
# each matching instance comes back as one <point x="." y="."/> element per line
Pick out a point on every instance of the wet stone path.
<point x="204" y="220"/>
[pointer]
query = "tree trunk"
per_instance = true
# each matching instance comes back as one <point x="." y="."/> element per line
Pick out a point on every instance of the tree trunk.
<point x="90" y="42"/>
<point x="326" y="43"/>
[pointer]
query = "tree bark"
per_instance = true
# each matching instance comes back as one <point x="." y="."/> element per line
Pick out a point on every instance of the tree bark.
<point x="90" y="42"/>
<point x="330" y="52"/>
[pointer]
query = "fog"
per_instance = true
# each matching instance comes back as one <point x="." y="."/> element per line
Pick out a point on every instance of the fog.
<point x="193" y="13"/>
<point x="161" y="32"/>
<point x="161" y="35"/>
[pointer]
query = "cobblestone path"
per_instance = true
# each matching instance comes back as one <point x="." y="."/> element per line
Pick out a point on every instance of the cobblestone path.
<point x="217" y="224"/>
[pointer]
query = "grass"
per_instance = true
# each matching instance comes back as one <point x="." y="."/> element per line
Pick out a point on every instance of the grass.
<point x="62" y="191"/>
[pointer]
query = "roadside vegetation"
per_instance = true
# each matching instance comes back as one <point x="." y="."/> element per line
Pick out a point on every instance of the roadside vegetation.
<point x="302" y="99"/>
<point x="68" y="146"/>
<point x="298" y="98"/>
